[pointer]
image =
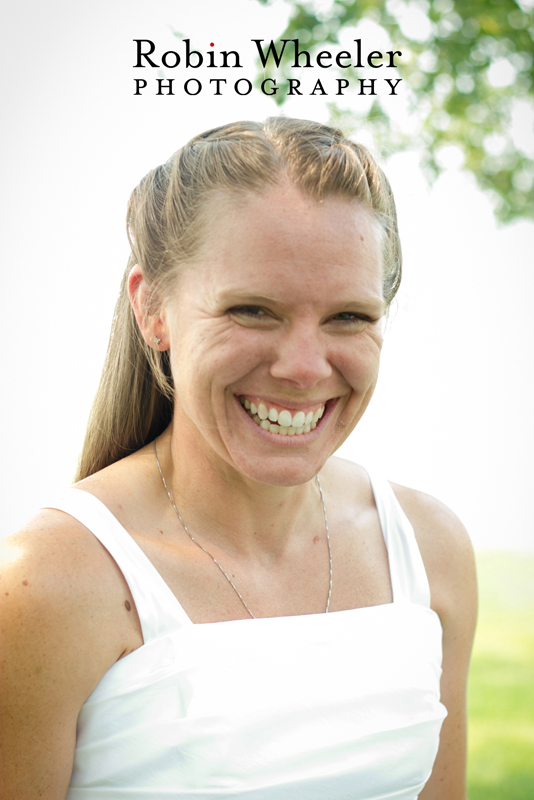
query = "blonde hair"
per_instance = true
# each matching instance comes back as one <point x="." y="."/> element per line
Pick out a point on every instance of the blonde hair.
<point x="167" y="214"/>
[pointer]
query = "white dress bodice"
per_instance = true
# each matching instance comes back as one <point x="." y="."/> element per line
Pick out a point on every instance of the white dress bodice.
<point x="337" y="706"/>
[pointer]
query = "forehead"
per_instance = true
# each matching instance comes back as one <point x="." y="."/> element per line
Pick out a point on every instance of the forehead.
<point x="286" y="241"/>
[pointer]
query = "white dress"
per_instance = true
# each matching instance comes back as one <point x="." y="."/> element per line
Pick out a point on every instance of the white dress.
<point x="337" y="706"/>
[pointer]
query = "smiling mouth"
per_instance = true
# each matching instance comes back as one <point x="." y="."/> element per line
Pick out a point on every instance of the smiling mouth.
<point x="281" y="420"/>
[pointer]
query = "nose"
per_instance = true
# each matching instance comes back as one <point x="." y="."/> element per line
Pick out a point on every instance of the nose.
<point x="301" y="357"/>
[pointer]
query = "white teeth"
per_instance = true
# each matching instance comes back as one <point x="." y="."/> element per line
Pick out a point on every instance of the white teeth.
<point x="282" y="422"/>
<point x="298" y="419"/>
<point x="284" y="418"/>
<point x="262" y="411"/>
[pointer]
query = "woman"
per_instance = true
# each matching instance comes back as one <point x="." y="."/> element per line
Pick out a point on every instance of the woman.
<point x="219" y="607"/>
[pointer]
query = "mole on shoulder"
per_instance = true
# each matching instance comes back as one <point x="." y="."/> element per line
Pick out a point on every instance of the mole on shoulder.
<point x="127" y="605"/>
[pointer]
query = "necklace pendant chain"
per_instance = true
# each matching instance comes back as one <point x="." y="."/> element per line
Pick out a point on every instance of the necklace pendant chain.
<point x="232" y="584"/>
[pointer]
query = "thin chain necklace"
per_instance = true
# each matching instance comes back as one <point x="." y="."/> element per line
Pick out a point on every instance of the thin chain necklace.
<point x="234" y="587"/>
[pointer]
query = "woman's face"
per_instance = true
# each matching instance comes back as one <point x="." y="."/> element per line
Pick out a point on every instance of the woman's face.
<point x="279" y="317"/>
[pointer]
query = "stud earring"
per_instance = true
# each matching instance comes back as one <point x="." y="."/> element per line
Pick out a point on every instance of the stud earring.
<point x="156" y="341"/>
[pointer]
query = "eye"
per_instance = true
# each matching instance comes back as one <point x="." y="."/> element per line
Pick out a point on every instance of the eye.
<point x="253" y="312"/>
<point x="350" y="317"/>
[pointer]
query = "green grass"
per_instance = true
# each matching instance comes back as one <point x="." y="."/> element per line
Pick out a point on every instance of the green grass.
<point x="501" y="687"/>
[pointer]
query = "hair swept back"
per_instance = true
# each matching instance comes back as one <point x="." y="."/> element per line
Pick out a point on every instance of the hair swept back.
<point x="167" y="214"/>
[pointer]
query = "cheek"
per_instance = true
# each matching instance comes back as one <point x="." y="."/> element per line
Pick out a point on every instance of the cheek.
<point x="361" y="373"/>
<point x="359" y="361"/>
<point x="215" y="352"/>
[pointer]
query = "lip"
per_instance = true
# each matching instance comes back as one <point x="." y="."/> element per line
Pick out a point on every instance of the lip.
<point x="290" y="405"/>
<point x="291" y="441"/>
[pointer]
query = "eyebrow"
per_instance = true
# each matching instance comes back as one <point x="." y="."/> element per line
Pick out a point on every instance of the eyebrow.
<point x="370" y="303"/>
<point x="230" y="295"/>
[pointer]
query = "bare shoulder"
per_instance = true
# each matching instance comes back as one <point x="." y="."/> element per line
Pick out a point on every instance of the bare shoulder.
<point x="444" y="543"/>
<point x="127" y="487"/>
<point x="445" y="547"/>
<point x="437" y="527"/>
<point x="62" y="600"/>
<point x="347" y="480"/>
<point x="56" y="569"/>
<point x="57" y="578"/>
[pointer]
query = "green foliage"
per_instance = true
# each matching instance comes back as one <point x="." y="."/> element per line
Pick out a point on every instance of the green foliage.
<point x="465" y="73"/>
<point x="501" y="686"/>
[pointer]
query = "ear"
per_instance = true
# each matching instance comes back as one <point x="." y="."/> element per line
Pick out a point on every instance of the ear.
<point x="152" y="327"/>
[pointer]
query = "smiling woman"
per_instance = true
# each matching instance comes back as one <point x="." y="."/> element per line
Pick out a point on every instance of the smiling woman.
<point x="220" y="607"/>
<point x="310" y="341"/>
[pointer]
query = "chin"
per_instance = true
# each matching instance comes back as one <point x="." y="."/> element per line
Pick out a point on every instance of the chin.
<point x="278" y="471"/>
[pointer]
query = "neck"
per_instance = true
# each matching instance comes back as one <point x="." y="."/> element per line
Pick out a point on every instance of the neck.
<point x="227" y="509"/>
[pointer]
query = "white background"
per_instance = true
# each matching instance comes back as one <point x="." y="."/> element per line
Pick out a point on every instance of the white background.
<point x="452" y="414"/>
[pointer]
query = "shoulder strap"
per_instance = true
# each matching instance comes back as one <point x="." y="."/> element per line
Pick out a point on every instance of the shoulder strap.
<point x="158" y="609"/>
<point x="408" y="576"/>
